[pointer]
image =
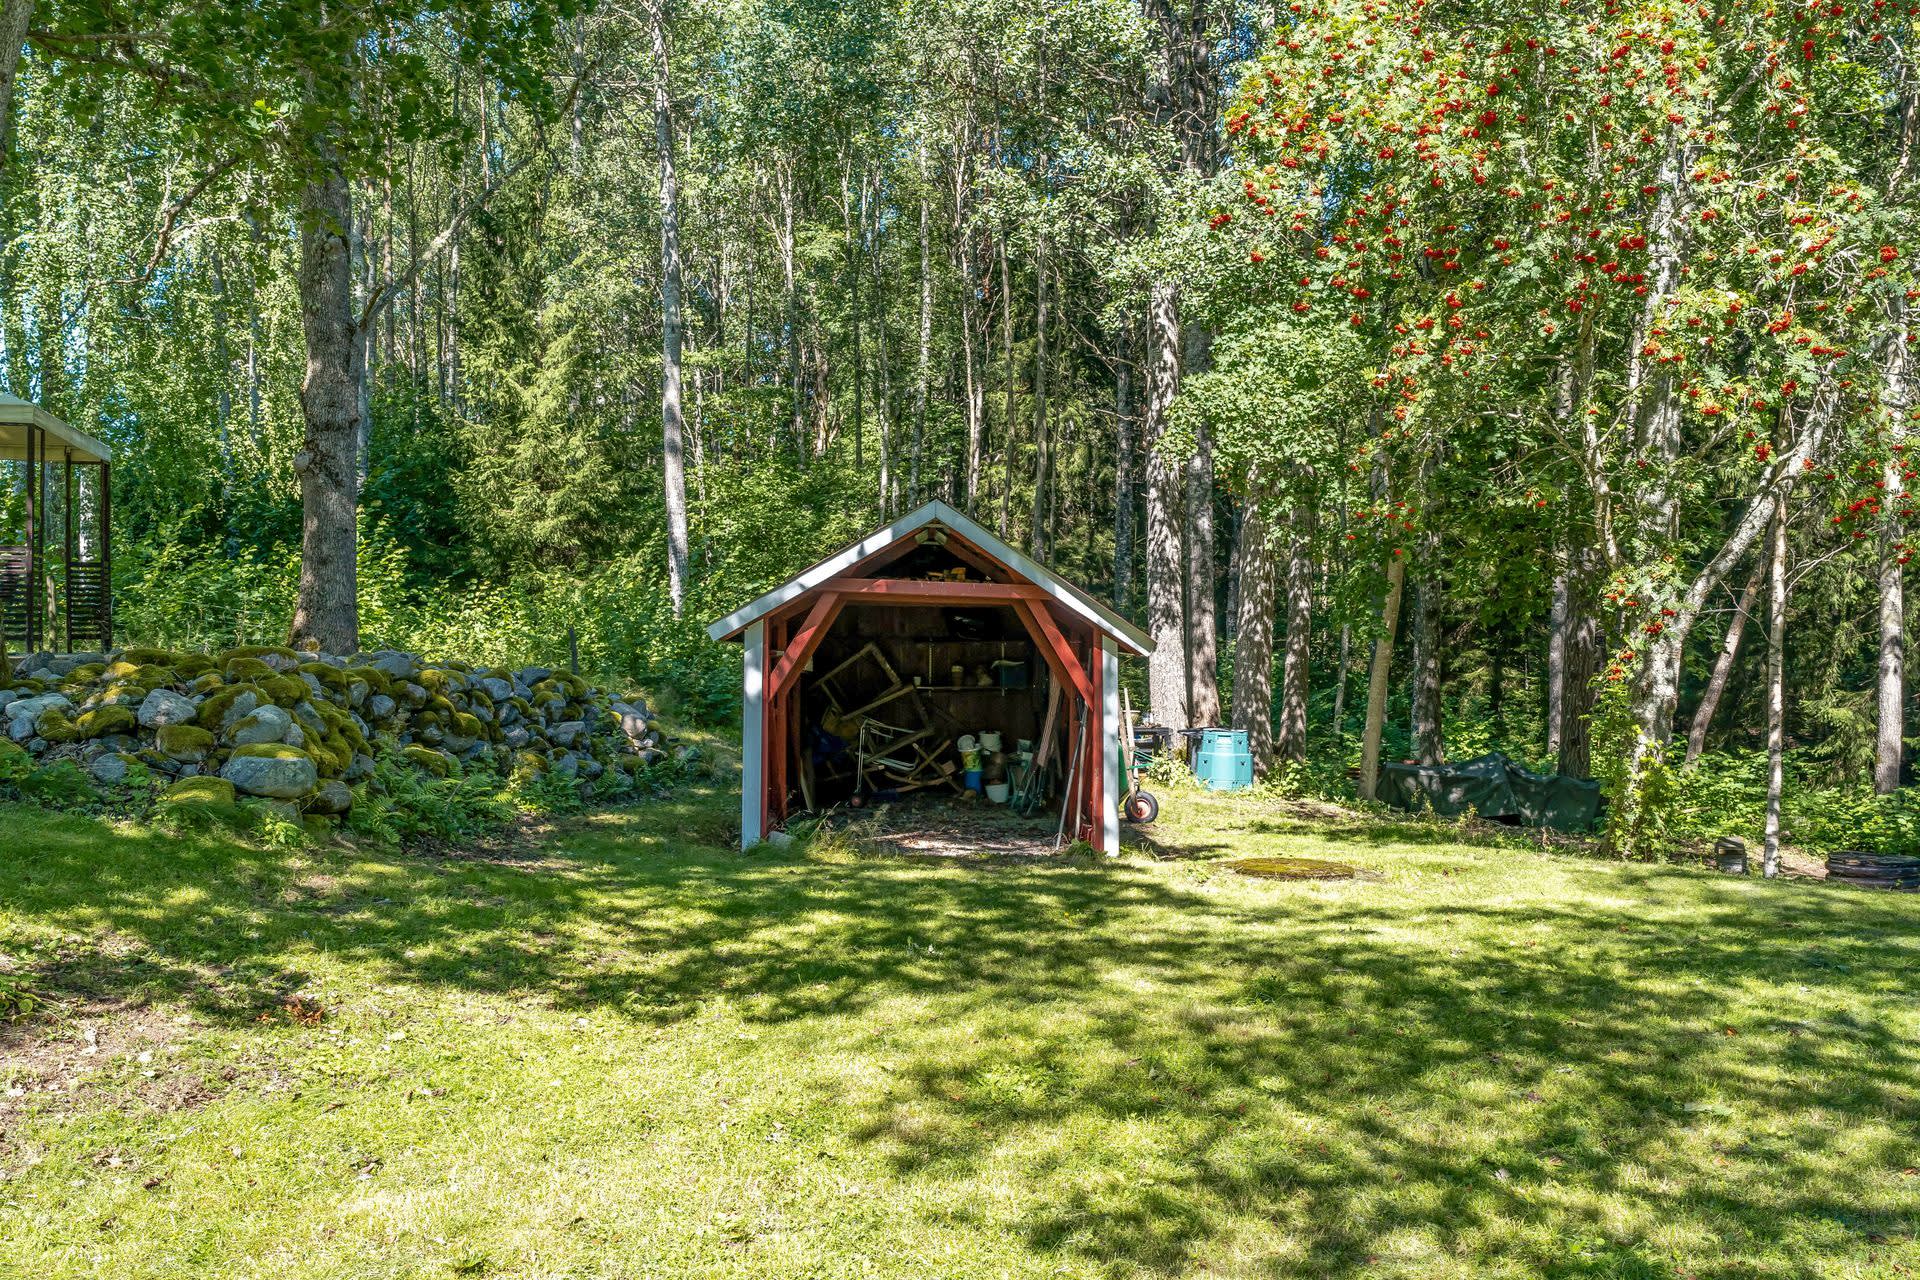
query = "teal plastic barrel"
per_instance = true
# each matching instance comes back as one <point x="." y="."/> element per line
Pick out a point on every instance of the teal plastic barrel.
<point x="1224" y="761"/>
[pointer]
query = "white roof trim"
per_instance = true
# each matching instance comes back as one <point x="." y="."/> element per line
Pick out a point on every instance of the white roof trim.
<point x="15" y="412"/>
<point x="936" y="512"/>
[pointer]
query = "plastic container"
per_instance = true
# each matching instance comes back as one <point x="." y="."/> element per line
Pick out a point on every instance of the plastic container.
<point x="1223" y="761"/>
<point x="998" y="792"/>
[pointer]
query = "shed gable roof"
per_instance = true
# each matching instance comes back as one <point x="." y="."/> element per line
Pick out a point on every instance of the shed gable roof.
<point x="1076" y="601"/>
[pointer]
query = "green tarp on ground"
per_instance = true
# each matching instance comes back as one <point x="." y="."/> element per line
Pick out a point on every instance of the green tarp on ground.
<point x="1493" y="787"/>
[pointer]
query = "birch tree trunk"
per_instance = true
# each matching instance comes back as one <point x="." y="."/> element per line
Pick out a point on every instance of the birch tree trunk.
<point x="1166" y="594"/>
<point x="1042" y="441"/>
<point x="923" y="374"/>
<point x="1203" y="623"/>
<point x="1723" y="665"/>
<point x="1253" y="633"/>
<point x="1890" y="685"/>
<point x="671" y="325"/>
<point x="1557" y="664"/>
<point x="1776" y="687"/>
<point x="1123" y="450"/>
<point x="1291" y="744"/>
<point x="326" y="613"/>
<point x="1377" y="677"/>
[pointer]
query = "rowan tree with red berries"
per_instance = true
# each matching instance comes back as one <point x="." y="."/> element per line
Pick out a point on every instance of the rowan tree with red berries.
<point x="1641" y="242"/>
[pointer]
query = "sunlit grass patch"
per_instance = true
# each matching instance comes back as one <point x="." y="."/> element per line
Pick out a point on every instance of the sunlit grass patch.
<point x="634" y="1050"/>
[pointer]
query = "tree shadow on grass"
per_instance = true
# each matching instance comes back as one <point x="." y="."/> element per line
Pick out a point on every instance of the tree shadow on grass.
<point x="1282" y="1080"/>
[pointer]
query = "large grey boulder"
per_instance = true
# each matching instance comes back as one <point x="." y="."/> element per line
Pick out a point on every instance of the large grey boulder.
<point x="164" y="706"/>
<point x="263" y="725"/>
<point x="285" y="777"/>
<point x="31" y="708"/>
<point x="495" y="688"/>
<point x="381" y="707"/>
<point x="568" y="732"/>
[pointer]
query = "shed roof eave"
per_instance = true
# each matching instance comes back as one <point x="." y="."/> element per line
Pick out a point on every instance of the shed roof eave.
<point x="1077" y="601"/>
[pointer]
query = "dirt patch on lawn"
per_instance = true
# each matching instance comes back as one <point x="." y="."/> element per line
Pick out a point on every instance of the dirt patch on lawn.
<point x="942" y="828"/>
<point x="105" y="1035"/>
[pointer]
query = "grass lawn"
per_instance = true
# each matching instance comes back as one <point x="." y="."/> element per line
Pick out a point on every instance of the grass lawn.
<point x="625" y="1050"/>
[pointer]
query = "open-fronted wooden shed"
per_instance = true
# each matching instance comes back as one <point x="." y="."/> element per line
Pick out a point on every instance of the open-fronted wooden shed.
<point x="924" y="630"/>
<point x="54" y="595"/>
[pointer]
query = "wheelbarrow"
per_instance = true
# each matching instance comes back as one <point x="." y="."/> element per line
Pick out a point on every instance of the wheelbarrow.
<point x="1137" y="751"/>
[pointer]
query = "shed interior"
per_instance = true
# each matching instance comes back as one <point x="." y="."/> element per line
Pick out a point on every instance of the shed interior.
<point x="892" y="688"/>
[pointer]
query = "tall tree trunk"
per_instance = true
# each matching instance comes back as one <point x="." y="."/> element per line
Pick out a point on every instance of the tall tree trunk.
<point x="326" y="612"/>
<point x="1253" y="632"/>
<point x="1377" y="677"/>
<point x="1203" y="623"/>
<point x="1557" y="664"/>
<point x="784" y="233"/>
<point x="1012" y="387"/>
<point x="1429" y="746"/>
<point x="1340" y="683"/>
<point x="1292" y="741"/>
<point x="924" y="369"/>
<point x="1890" y="685"/>
<point x="15" y="17"/>
<point x="1580" y="663"/>
<point x="672" y="425"/>
<point x="1776" y="686"/>
<point x="1042" y="443"/>
<point x="1123" y="450"/>
<point x="1166" y="594"/>
<point x="1723" y="665"/>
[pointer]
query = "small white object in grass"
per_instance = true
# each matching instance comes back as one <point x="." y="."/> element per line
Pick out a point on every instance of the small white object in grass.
<point x="397" y="1035"/>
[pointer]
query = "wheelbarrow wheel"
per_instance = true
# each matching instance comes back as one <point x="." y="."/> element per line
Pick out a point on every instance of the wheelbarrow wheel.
<point x="1141" y="807"/>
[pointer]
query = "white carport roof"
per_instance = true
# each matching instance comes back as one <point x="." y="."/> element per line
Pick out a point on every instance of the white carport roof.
<point x="16" y="415"/>
<point x="938" y="513"/>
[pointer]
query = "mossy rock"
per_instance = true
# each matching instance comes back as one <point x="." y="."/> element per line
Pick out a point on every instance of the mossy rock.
<point x="468" y="726"/>
<point x="213" y="712"/>
<point x="285" y="691"/>
<point x="121" y="670"/>
<point x="521" y="705"/>
<point x="257" y="651"/>
<point x="150" y="657"/>
<point x="332" y="755"/>
<point x="200" y="799"/>
<point x="437" y="763"/>
<point x="330" y="678"/>
<point x="375" y="679"/>
<point x="528" y="764"/>
<point x="29" y="684"/>
<point x="193" y="665"/>
<point x="85" y="674"/>
<point x="188" y="743"/>
<point x="269" y="751"/>
<point x="207" y="681"/>
<point x="54" y="726"/>
<point x="434" y="680"/>
<point x="440" y="706"/>
<point x="244" y="668"/>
